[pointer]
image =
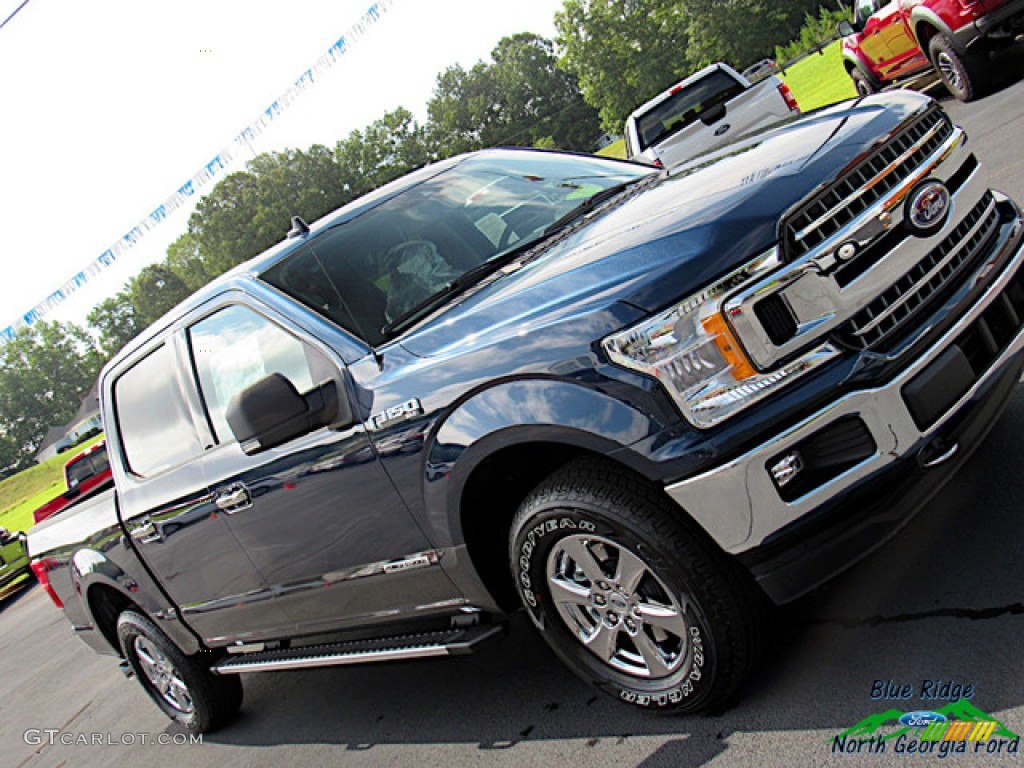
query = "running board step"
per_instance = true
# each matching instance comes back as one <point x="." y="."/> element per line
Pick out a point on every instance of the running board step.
<point x="451" y="642"/>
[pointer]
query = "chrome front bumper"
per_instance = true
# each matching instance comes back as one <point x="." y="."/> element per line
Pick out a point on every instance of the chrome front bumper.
<point x="738" y="503"/>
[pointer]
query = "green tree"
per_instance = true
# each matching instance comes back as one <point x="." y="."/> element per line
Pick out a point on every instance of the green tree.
<point x="9" y="456"/>
<point x="45" y="370"/>
<point x="154" y="292"/>
<point x="115" y="322"/>
<point x="185" y="260"/>
<point x="520" y="98"/>
<point x="623" y="52"/>
<point x="741" y="32"/>
<point x="250" y="210"/>
<point x="387" y="148"/>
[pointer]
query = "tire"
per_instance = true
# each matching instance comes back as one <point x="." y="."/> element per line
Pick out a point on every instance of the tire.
<point x="863" y="82"/>
<point x="630" y="596"/>
<point x="182" y="686"/>
<point x="965" y="75"/>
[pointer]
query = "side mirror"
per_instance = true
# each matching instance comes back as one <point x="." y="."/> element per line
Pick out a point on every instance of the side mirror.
<point x="271" y="412"/>
<point x="846" y="29"/>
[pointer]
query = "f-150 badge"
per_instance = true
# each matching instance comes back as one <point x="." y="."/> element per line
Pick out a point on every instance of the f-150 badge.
<point x="395" y="413"/>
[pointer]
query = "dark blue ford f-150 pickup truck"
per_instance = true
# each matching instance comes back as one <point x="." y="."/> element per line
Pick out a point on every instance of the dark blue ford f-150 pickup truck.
<point x="641" y="404"/>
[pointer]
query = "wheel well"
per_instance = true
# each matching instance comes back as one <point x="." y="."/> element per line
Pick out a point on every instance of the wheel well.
<point x="490" y="499"/>
<point x="924" y="33"/>
<point x="106" y="604"/>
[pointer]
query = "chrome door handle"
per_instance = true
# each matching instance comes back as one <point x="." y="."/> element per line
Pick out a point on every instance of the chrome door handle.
<point x="147" y="533"/>
<point x="234" y="499"/>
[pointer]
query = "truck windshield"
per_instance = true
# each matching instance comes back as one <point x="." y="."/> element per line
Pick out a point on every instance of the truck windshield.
<point x="684" y="106"/>
<point x="370" y="274"/>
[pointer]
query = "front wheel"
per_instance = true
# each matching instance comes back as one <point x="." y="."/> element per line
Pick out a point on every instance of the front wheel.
<point x="182" y="686"/>
<point x="628" y="596"/>
<point x="965" y="75"/>
<point x="863" y="82"/>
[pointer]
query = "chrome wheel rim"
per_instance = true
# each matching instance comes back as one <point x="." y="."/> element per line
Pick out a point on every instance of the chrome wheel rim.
<point x="949" y="71"/>
<point x="617" y="608"/>
<point x="163" y="676"/>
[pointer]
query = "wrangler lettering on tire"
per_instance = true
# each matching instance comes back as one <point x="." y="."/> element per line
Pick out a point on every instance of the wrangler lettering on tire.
<point x="628" y="595"/>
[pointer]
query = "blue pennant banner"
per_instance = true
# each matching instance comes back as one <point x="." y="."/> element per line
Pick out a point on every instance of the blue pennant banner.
<point x="212" y="170"/>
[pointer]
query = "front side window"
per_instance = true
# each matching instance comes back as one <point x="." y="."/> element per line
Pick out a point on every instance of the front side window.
<point x="155" y="424"/>
<point x="865" y="8"/>
<point x="236" y="347"/>
<point x="368" y="274"/>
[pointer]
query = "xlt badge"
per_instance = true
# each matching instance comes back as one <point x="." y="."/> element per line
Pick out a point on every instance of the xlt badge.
<point x="395" y="413"/>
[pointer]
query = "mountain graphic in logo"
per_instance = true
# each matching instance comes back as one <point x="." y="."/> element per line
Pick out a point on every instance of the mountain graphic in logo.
<point x="961" y="710"/>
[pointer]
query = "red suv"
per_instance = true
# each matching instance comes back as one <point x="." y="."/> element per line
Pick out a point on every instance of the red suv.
<point x="888" y="41"/>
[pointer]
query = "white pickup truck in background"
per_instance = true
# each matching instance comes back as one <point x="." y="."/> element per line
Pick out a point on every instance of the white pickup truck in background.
<point x="710" y="108"/>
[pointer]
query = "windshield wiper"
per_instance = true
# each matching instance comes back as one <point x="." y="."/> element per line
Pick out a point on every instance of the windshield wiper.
<point x="459" y="284"/>
<point x="592" y="202"/>
<point x="492" y="265"/>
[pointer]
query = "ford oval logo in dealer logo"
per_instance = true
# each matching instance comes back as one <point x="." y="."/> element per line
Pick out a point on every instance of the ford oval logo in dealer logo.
<point x="921" y="719"/>
<point x="928" y="208"/>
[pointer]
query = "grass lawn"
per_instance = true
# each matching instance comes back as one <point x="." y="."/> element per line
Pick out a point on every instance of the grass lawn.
<point x="818" y="81"/>
<point x="26" y="491"/>
<point x="616" y="149"/>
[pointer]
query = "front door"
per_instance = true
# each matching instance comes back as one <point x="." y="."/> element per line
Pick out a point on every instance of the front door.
<point x="318" y="516"/>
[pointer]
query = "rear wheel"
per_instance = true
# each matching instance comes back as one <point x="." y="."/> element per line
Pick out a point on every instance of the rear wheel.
<point x="965" y="75"/>
<point x="182" y="686"/>
<point x="628" y="596"/>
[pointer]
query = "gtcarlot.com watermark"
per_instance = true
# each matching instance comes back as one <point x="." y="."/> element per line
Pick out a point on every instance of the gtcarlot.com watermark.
<point x="36" y="737"/>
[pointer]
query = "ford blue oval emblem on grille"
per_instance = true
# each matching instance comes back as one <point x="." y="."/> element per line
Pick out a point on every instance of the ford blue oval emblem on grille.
<point x="928" y="208"/>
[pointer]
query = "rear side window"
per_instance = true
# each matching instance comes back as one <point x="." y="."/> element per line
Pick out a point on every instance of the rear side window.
<point x="89" y="465"/>
<point x="685" y="106"/>
<point x="155" y="424"/>
<point x="236" y="347"/>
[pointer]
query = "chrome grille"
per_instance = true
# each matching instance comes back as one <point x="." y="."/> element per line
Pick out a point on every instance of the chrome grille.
<point x="866" y="183"/>
<point x="926" y="280"/>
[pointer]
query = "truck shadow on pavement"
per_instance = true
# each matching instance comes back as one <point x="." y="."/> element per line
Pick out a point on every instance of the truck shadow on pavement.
<point x="941" y="601"/>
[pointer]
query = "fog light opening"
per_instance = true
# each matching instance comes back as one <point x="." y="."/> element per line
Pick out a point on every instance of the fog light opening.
<point x="786" y="469"/>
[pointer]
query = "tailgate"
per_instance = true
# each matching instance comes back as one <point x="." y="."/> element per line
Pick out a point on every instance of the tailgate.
<point x="754" y="108"/>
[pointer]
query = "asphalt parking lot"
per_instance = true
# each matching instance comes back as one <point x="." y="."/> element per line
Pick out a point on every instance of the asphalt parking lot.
<point x="940" y="606"/>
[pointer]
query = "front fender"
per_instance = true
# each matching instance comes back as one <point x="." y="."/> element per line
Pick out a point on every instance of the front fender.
<point x="922" y="18"/>
<point x="853" y="60"/>
<point x="536" y="410"/>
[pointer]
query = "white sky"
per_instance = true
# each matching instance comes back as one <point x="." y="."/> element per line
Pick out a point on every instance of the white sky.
<point x="109" y="106"/>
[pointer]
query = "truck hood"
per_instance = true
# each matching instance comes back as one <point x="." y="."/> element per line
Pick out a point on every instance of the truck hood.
<point x="670" y="240"/>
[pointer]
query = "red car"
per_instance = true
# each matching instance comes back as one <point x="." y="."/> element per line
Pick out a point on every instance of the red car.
<point x="85" y="474"/>
<point x="888" y="41"/>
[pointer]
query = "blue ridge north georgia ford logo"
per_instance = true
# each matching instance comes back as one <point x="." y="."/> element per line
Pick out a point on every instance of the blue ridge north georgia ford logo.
<point x="928" y="208"/>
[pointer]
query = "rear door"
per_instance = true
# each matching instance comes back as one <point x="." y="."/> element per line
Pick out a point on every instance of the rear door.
<point x="166" y="506"/>
<point x="318" y="516"/>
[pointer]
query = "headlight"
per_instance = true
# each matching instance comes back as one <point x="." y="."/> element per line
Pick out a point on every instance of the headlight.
<point x="690" y="348"/>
